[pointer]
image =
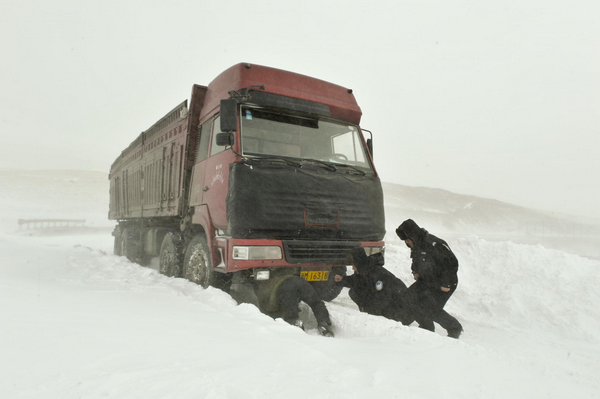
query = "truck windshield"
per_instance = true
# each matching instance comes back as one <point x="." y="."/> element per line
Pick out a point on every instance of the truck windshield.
<point x="274" y="134"/>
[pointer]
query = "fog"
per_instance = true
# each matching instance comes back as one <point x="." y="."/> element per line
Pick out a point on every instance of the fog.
<point x="490" y="99"/>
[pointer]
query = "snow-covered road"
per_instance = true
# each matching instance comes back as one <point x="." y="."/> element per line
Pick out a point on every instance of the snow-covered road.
<point x="78" y="322"/>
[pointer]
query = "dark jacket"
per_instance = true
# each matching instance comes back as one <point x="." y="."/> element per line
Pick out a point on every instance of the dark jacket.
<point x="374" y="289"/>
<point x="266" y="292"/>
<point x="432" y="258"/>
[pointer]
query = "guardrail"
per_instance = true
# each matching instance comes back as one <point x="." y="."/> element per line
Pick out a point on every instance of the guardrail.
<point x="49" y="223"/>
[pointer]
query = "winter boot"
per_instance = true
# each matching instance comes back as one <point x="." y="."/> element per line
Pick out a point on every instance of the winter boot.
<point x="449" y="323"/>
<point x="295" y="322"/>
<point x="455" y="332"/>
<point x="426" y="324"/>
<point x="325" y="329"/>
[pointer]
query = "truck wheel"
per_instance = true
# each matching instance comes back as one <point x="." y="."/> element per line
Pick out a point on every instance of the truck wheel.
<point x="171" y="257"/>
<point x="129" y="244"/>
<point x="329" y="290"/>
<point x="118" y="249"/>
<point x="197" y="265"/>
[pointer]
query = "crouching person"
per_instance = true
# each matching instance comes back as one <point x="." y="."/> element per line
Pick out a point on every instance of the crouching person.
<point x="434" y="268"/>
<point x="374" y="289"/>
<point x="281" y="294"/>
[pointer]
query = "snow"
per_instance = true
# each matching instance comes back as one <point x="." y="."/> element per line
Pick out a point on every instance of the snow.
<point x="79" y="322"/>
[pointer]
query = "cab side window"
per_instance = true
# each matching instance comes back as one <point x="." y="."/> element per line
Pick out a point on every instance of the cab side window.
<point x="348" y="144"/>
<point x="214" y="148"/>
<point x="202" y="153"/>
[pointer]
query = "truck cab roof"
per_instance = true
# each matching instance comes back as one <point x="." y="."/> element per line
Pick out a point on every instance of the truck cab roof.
<point x="340" y="100"/>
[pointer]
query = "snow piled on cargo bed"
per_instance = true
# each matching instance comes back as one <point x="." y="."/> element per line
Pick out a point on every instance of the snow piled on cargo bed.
<point x="78" y="321"/>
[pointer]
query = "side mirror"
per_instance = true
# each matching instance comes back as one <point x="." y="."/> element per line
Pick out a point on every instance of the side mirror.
<point x="228" y="115"/>
<point x="369" y="141"/>
<point x="225" y="138"/>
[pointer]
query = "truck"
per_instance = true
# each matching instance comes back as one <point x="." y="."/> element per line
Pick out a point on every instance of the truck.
<point x="262" y="171"/>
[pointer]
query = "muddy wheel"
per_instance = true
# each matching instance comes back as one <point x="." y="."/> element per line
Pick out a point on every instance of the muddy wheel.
<point x="171" y="257"/>
<point x="197" y="265"/>
<point x="129" y="244"/>
<point x="329" y="290"/>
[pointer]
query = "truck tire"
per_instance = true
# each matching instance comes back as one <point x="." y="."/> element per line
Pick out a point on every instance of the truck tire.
<point x="197" y="265"/>
<point x="329" y="290"/>
<point x="129" y="244"/>
<point x="171" y="257"/>
<point x="118" y="248"/>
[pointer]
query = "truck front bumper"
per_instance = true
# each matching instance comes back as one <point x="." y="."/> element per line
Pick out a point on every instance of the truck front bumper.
<point x="242" y="254"/>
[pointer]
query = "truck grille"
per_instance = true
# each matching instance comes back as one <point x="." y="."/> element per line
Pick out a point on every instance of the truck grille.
<point x="300" y="251"/>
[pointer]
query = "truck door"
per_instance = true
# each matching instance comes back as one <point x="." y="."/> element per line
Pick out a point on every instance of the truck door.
<point x="178" y="183"/>
<point x="163" y="173"/>
<point x="172" y="160"/>
<point x="151" y="188"/>
<point x="117" y="197"/>
<point x="197" y="186"/>
<point x="216" y="178"/>
<point x="125" y="193"/>
<point x="166" y="194"/>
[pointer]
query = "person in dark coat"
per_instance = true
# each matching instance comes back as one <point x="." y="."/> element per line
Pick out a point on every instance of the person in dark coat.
<point x="280" y="296"/>
<point x="434" y="268"/>
<point x="374" y="289"/>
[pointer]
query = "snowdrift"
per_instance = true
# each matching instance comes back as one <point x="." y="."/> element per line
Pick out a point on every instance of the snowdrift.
<point x="78" y="321"/>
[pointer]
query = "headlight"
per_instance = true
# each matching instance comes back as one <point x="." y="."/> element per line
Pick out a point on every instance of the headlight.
<point x="261" y="274"/>
<point x="373" y="250"/>
<point x="256" y="253"/>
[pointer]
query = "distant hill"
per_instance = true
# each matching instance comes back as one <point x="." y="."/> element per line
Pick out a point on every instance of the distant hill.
<point x="84" y="195"/>
<point x="450" y="214"/>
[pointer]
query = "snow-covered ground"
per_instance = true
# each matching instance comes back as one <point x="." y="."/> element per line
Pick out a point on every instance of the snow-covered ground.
<point x="79" y="322"/>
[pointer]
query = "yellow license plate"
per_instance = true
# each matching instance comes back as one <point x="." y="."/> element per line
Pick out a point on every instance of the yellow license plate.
<point x="315" y="275"/>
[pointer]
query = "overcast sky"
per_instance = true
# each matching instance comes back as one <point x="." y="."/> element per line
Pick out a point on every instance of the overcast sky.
<point x="498" y="99"/>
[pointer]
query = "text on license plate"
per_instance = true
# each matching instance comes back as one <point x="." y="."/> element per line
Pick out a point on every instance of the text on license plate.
<point x="316" y="275"/>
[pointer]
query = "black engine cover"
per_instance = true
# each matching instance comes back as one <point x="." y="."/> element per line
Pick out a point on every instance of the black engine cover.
<point x="281" y="201"/>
